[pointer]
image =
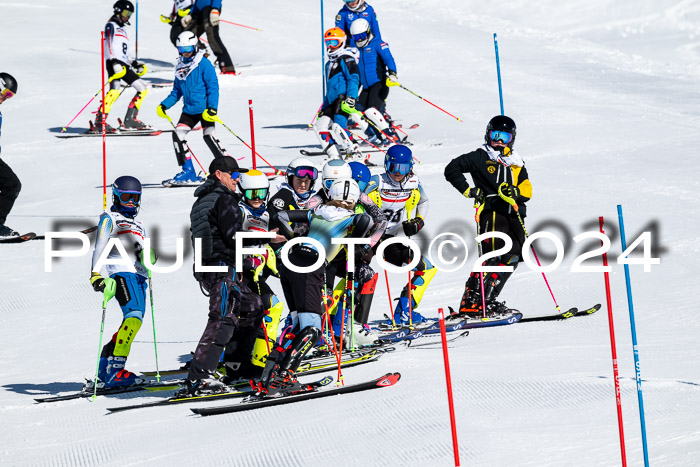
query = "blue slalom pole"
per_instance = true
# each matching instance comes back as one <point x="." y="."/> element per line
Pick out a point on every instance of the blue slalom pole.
<point x="323" y="53"/>
<point x="498" y="70"/>
<point x="637" y="367"/>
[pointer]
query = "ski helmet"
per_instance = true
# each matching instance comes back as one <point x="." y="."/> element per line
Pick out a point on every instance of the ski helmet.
<point x="186" y="43"/>
<point x="344" y="189"/>
<point x="500" y="128"/>
<point x="254" y="185"/>
<point x="398" y="160"/>
<point x="124" y="9"/>
<point x="8" y="85"/>
<point x="355" y="5"/>
<point x="360" y="32"/>
<point x="334" y="39"/>
<point x="361" y="174"/>
<point x="302" y="167"/>
<point x="333" y="170"/>
<point x="125" y="189"/>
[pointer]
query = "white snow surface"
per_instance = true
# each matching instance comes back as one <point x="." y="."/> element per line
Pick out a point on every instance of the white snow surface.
<point x="605" y="97"/>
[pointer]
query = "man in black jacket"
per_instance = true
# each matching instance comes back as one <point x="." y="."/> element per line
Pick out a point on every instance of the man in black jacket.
<point x="501" y="189"/>
<point x="215" y="219"/>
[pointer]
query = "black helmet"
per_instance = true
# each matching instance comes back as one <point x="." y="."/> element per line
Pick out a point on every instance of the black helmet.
<point x="121" y="7"/>
<point x="124" y="189"/>
<point x="8" y="83"/>
<point x="501" y="123"/>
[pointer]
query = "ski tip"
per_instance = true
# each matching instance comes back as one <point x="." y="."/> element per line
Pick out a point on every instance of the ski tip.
<point x="389" y="379"/>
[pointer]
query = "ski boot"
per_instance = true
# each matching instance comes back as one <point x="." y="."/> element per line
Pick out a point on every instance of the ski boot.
<point x="188" y="175"/>
<point x="6" y="232"/>
<point x="112" y="374"/>
<point x="401" y="313"/>
<point x="228" y="70"/>
<point x="131" y="122"/>
<point x="362" y="336"/>
<point x="470" y="306"/>
<point x="97" y="126"/>
<point x="200" y="387"/>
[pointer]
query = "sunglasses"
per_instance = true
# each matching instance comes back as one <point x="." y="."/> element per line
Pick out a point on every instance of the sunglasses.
<point x="183" y="49"/>
<point x="305" y="172"/>
<point x="234" y="175"/>
<point x="402" y="168"/>
<point x="257" y="193"/>
<point x="126" y="197"/>
<point x="502" y="136"/>
<point x="6" y="93"/>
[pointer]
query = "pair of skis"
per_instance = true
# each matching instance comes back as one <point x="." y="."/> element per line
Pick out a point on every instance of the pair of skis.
<point x="32" y="236"/>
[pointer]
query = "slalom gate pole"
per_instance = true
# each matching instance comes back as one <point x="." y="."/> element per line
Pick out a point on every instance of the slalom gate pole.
<point x="136" y="13"/>
<point x="379" y="130"/>
<point x="388" y="292"/>
<point x="188" y="146"/>
<point x="635" y="346"/>
<point x="84" y="107"/>
<point x="329" y="326"/>
<point x="109" y="292"/>
<point x="613" y="348"/>
<point x="323" y="57"/>
<point x="277" y="172"/>
<point x="481" y="273"/>
<point x="153" y="321"/>
<point x="252" y="132"/>
<point x="348" y="276"/>
<point x="313" y="120"/>
<point x="104" y="119"/>
<point x="410" y="305"/>
<point x="426" y="100"/>
<point x="448" y="379"/>
<point x="498" y="71"/>
<point x="240" y="25"/>
<point x="352" y="315"/>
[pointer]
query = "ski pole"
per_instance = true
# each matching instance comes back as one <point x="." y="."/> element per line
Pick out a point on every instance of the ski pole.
<point x="374" y="125"/>
<point x="352" y="315"/>
<point x="426" y="100"/>
<point x="388" y="292"/>
<point x="84" y="107"/>
<point x="107" y="294"/>
<point x="240" y="25"/>
<point x="498" y="71"/>
<point x="481" y="273"/>
<point x="635" y="346"/>
<point x="188" y="146"/>
<point x="348" y="277"/>
<point x="328" y="320"/>
<point x="311" y="125"/>
<point x="277" y="172"/>
<point x="153" y="320"/>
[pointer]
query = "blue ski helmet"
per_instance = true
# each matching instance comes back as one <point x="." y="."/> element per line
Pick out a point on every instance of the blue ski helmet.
<point x="398" y="160"/>
<point x="124" y="189"/>
<point x="361" y="174"/>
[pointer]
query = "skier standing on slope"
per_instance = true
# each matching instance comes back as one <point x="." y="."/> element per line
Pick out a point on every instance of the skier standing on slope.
<point x="181" y="8"/>
<point x="10" y="185"/>
<point x="121" y="67"/>
<point x="198" y="86"/>
<point x="204" y="17"/>
<point x="352" y="10"/>
<point x="397" y="192"/>
<point x="500" y="184"/>
<point x="120" y="223"/>
<point x="215" y="218"/>
<point x="342" y="86"/>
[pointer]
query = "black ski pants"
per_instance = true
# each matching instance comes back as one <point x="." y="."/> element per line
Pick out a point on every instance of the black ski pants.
<point x="202" y="25"/>
<point x="10" y="187"/>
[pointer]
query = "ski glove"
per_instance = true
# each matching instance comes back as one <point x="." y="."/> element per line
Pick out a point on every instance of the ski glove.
<point x="214" y="18"/>
<point x="361" y="252"/>
<point x="348" y="105"/>
<point x="153" y="256"/>
<point x="186" y="20"/>
<point x="139" y="67"/>
<point x="210" y="115"/>
<point x="97" y="282"/>
<point x="476" y="193"/>
<point x="392" y="80"/>
<point x="508" y="193"/>
<point x="161" y="111"/>
<point x="166" y="19"/>
<point x="413" y="226"/>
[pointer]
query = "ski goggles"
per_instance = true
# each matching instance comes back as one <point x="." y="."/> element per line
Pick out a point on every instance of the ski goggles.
<point x="502" y="136"/>
<point x="402" y="168"/>
<point x="308" y="172"/>
<point x="6" y="93"/>
<point x="184" y="49"/>
<point x="360" y="37"/>
<point x="362" y="185"/>
<point x="333" y="43"/>
<point x="257" y="193"/>
<point x="125" y="14"/>
<point x="125" y="197"/>
<point x="327" y="183"/>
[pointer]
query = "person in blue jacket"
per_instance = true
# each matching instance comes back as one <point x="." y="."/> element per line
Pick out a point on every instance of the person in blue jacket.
<point x="342" y="87"/>
<point x="198" y="86"/>
<point x="377" y="71"/>
<point x="352" y="10"/>
<point x="204" y="17"/>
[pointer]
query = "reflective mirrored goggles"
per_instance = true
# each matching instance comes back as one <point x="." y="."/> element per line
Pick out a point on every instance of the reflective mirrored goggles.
<point x="126" y="196"/>
<point x="402" y="168"/>
<point x="6" y="93"/>
<point x="502" y="136"/>
<point x="362" y="185"/>
<point x="332" y="43"/>
<point x="360" y="37"/>
<point x="257" y="193"/>
<point x="183" y="49"/>
<point x="308" y="172"/>
<point x="125" y="14"/>
<point x="327" y="183"/>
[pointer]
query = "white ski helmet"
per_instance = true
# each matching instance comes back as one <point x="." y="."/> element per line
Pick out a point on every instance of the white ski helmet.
<point x="254" y="185"/>
<point x="186" y="39"/>
<point x="355" y="5"/>
<point x="360" y="32"/>
<point x="344" y="189"/>
<point x="333" y="170"/>
<point x="302" y="167"/>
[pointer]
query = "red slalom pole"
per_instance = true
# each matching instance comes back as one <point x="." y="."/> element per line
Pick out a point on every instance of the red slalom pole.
<point x="614" y="355"/>
<point x="252" y="131"/>
<point x="104" y="133"/>
<point x="450" y="400"/>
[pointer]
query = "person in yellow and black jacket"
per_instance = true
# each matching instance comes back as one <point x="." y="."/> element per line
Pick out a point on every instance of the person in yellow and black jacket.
<point x="501" y="183"/>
